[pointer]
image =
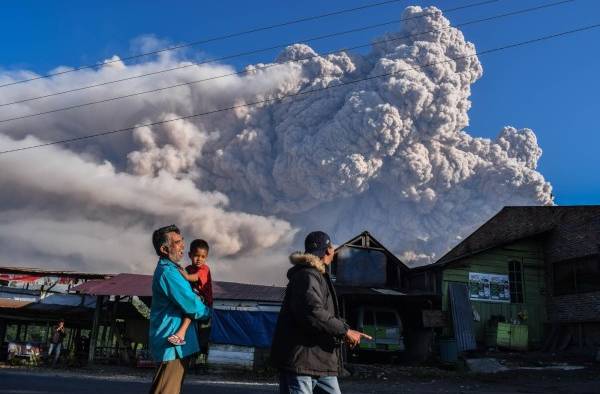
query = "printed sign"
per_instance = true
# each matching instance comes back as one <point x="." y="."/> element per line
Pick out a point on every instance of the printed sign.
<point x="489" y="287"/>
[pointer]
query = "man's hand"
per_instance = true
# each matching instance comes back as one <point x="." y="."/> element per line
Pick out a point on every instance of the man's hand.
<point x="353" y="337"/>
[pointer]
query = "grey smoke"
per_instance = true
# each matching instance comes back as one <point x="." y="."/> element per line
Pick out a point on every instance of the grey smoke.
<point x="388" y="155"/>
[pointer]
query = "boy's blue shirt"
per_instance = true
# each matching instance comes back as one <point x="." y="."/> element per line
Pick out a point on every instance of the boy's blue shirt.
<point x="172" y="298"/>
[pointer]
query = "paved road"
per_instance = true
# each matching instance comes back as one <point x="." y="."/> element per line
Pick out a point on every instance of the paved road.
<point x="80" y="382"/>
<point x="26" y="383"/>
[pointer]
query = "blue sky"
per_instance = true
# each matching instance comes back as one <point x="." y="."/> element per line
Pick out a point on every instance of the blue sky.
<point x="551" y="87"/>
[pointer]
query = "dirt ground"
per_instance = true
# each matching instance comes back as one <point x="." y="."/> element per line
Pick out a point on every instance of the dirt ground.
<point x="531" y="372"/>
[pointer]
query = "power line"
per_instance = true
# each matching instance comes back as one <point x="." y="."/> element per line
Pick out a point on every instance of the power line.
<point x="512" y="13"/>
<point x="241" y="54"/>
<point x="279" y="99"/>
<point x="213" y="39"/>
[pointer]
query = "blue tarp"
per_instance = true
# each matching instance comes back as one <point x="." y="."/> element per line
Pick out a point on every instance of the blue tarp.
<point x="243" y="328"/>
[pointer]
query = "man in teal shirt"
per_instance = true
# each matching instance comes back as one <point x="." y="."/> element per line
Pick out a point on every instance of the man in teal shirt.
<point x="172" y="297"/>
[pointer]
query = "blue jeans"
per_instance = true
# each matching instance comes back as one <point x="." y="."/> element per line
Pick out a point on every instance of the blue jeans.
<point x="290" y="383"/>
<point x="54" y="347"/>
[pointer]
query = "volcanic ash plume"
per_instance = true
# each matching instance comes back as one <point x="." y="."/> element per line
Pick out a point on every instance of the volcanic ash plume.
<point x="388" y="154"/>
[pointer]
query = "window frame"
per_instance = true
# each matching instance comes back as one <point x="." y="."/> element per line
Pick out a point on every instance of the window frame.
<point x="516" y="277"/>
<point x="574" y="266"/>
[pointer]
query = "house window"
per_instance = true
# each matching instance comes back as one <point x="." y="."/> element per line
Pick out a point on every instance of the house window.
<point x="581" y="275"/>
<point x="360" y="267"/>
<point x="515" y="280"/>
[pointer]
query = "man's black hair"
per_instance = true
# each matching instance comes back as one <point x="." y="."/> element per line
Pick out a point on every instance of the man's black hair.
<point x="160" y="237"/>
<point x="199" y="244"/>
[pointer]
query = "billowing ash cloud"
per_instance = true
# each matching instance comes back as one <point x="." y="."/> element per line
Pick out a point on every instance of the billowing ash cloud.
<point x="388" y="155"/>
<point x="80" y="209"/>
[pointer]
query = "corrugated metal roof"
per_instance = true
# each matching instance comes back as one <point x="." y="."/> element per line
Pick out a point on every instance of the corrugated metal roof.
<point x="141" y="286"/>
<point x="17" y="290"/>
<point x="42" y="272"/>
<point x="512" y="224"/>
<point x="24" y="310"/>
<point x="380" y="292"/>
<point x="249" y="292"/>
<point x="373" y="244"/>
<point x="12" y="304"/>
<point x="119" y="285"/>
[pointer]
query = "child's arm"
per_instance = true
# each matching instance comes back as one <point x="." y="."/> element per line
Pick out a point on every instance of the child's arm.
<point x="189" y="277"/>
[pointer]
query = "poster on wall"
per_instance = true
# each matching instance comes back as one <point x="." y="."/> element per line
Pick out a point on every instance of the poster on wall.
<point x="489" y="287"/>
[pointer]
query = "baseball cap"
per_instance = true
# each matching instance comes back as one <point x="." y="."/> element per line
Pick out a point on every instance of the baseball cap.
<point x="316" y="243"/>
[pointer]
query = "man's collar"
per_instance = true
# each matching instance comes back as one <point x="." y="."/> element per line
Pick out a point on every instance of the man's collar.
<point x="167" y="261"/>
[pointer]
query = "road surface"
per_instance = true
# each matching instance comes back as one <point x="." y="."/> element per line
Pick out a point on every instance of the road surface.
<point x="35" y="383"/>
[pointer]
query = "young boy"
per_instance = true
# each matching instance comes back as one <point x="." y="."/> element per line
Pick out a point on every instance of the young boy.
<point x="198" y="274"/>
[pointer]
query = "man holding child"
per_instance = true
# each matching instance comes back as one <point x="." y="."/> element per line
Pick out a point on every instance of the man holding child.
<point x="173" y="301"/>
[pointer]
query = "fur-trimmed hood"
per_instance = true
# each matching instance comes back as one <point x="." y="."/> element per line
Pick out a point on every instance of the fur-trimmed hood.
<point x="307" y="260"/>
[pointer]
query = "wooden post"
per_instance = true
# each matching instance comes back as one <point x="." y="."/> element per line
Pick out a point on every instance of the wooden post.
<point x="103" y="336"/>
<point x="18" y="333"/>
<point x="111" y="333"/>
<point x="94" y="332"/>
<point x="344" y="347"/>
<point x="3" y="328"/>
<point x="47" y="332"/>
<point x="70" y="340"/>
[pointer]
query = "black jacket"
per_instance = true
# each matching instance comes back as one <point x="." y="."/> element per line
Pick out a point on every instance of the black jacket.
<point x="309" y="330"/>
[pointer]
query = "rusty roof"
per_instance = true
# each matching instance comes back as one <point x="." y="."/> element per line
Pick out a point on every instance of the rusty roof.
<point x="141" y="286"/>
<point x="118" y="285"/>
<point x="43" y="272"/>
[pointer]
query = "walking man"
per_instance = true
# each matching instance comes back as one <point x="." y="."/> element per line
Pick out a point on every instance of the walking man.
<point x="172" y="298"/>
<point x="309" y="333"/>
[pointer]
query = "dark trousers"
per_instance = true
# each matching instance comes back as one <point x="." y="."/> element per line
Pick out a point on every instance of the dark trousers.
<point x="169" y="376"/>
<point x="203" y="328"/>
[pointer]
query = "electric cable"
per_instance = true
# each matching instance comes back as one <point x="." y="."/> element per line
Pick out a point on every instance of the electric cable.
<point x="310" y="91"/>
<point x="76" y="106"/>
